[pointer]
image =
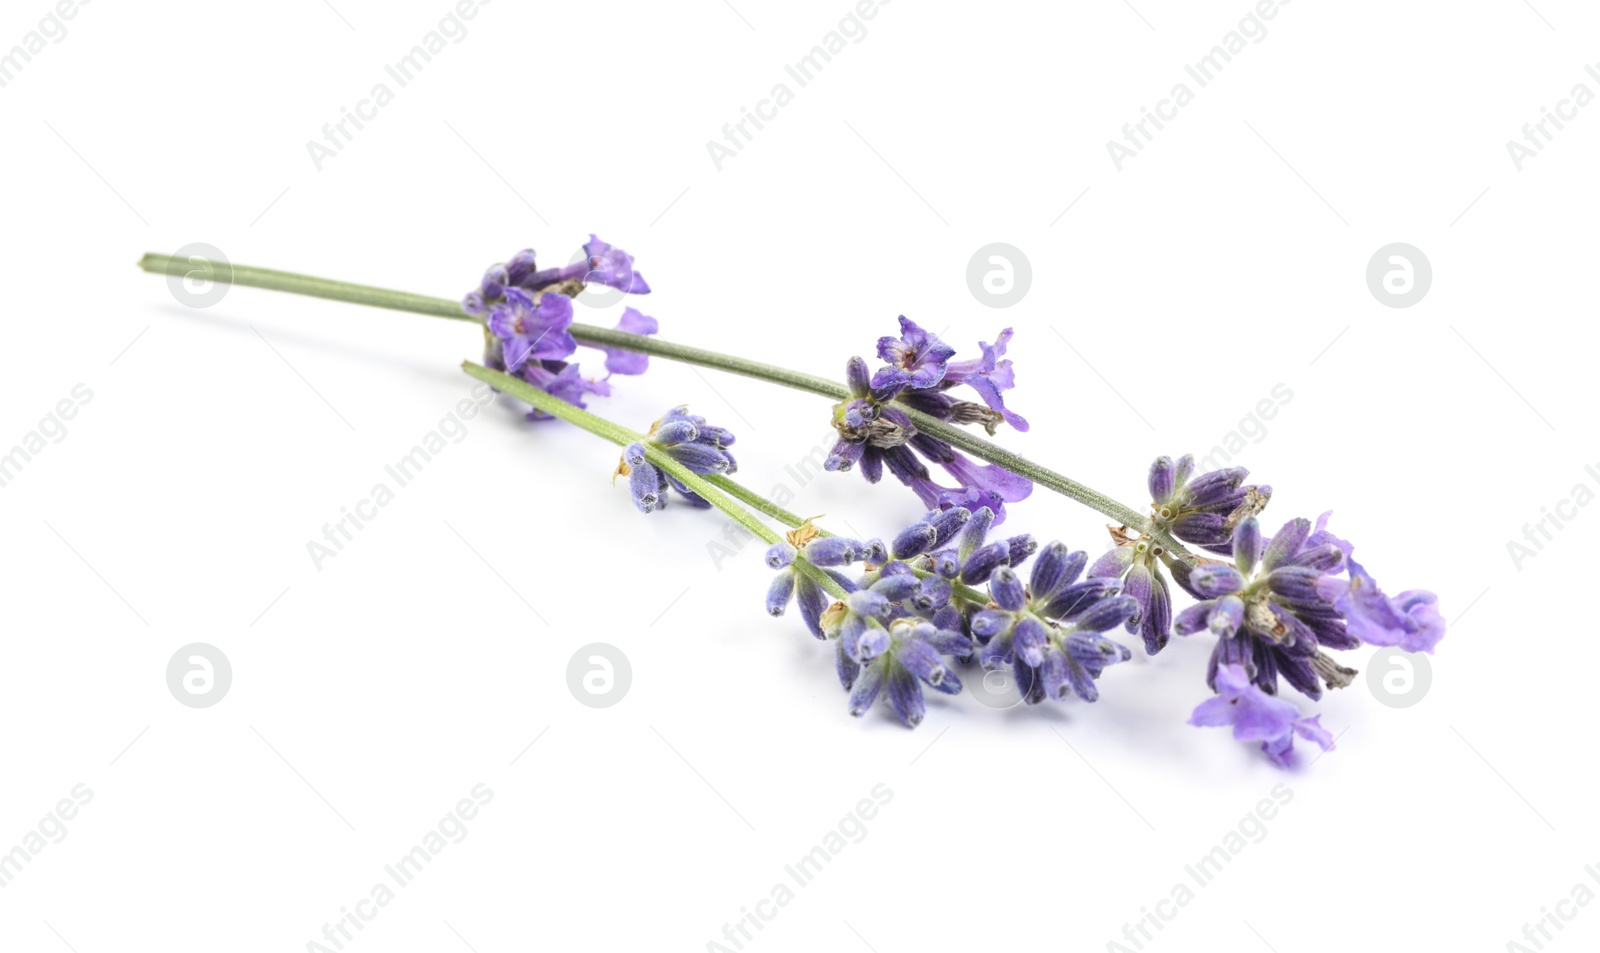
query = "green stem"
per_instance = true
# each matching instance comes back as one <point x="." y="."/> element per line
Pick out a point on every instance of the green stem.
<point x="304" y="285"/>
<point x="684" y="354"/>
<point x="622" y="436"/>
<point x="932" y="426"/>
<point x="755" y="500"/>
<point x="607" y="337"/>
<point x="764" y="505"/>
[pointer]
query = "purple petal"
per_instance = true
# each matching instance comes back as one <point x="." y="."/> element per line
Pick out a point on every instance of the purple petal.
<point x="1214" y="712"/>
<point x="1320" y="536"/>
<point x="631" y="362"/>
<point x="1422" y="608"/>
<point x="553" y="345"/>
<point x="990" y="478"/>
<point x="517" y="350"/>
<point x="1279" y="749"/>
<point x="1412" y="622"/>
<point x="1259" y="716"/>
<point x="502" y="321"/>
<point x="1232" y="681"/>
<point x="990" y="377"/>
<point x="612" y="267"/>
<point x="1311" y="729"/>
<point x="553" y="311"/>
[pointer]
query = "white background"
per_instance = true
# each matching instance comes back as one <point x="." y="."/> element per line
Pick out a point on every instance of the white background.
<point x="370" y="696"/>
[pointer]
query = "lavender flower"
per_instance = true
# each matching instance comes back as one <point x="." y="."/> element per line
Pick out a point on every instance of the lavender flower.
<point x="796" y="580"/>
<point x="916" y="358"/>
<point x="528" y="314"/>
<point x="876" y="433"/>
<point x="1267" y="611"/>
<point x="557" y="378"/>
<point x="912" y="657"/>
<point x="631" y="362"/>
<point x="1050" y="632"/>
<point x="977" y="485"/>
<point x="1410" y="620"/>
<point x="990" y="376"/>
<point x="894" y="628"/>
<point x="688" y="439"/>
<point x="606" y="265"/>
<point x="1205" y="509"/>
<point x="532" y="327"/>
<point x="647" y="483"/>
<point x="1138" y="564"/>
<point x="1257" y="716"/>
<point x="973" y="558"/>
<point x="492" y="289"/>
<point x="603" y="264"/>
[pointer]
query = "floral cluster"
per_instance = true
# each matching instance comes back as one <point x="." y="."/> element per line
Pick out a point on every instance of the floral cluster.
<point x="527" y="314"/>
<point x="907" y="615"/>
<point x="686" y="438"/>
<point x="911" y="614"/>
<point x="947" y="592"/>
<point x="1276" y="606"/>
<point x="875" y="432"/>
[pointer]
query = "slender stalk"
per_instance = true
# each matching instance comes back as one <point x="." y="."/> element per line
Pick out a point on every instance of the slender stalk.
<point x="684" y="354"/>
<point x="250" y="277"/>
<point x="756" y="501"/>
<point x="304" y="285"/>
<point x="764" y="505"/>
<point x="622" y="436"/>
<point x="932" y="426"/>
<point x="607" y="337"/>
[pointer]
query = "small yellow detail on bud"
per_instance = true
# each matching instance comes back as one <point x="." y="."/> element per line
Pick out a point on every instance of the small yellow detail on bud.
<point x="802" y="535"/>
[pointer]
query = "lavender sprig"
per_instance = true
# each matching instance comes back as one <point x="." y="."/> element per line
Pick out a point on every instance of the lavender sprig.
<point x="654" y="347"/>
<point x="1274" y="608"/>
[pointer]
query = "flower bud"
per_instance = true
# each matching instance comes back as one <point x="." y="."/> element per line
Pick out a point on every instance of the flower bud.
<point x="978" y="567"/>
<point x="779" y="555"/>
<point x="1216" y="579"/>
<point x="1106" y="614"/>
<point x="1006" y="587"/>
<point x="914" y="540"/>
<point x="1163" y="479"/>
<point x="1247" y="545"/>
